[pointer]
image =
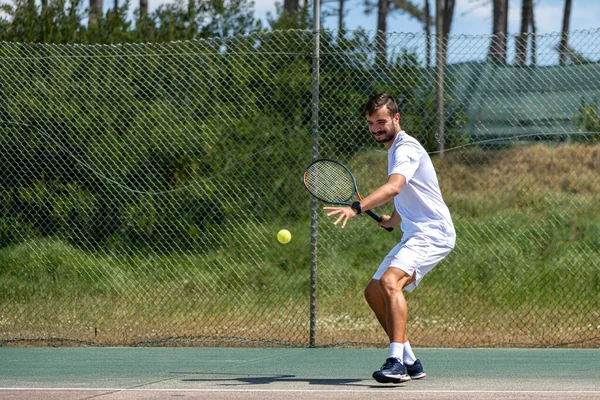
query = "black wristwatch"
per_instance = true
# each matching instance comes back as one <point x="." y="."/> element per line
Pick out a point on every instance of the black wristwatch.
<point x="356" y="207"/>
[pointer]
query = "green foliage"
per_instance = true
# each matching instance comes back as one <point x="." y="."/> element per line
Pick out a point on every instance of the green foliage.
<point x="137" y="146"/>
<point x="284" y="21"/>
<point x="59" y="22"/>
<point x="151" y="162"/>
<point x="587" y="120"/>
<point x="62" y="22"/>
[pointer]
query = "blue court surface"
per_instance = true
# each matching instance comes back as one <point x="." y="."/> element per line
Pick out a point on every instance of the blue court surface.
<point x="293" y="373"/>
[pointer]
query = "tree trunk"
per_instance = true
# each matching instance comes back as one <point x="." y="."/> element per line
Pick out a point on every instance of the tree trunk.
<point x="523" y="39"/>
<point x="499" y="25"/>
<point x="95" y="11"/>
<point x="383" y="6"/>
<point x="533" y="38"/>
<point x="564" y="36"/>
<point x="448" y="14"/>
<point x="341" y="20"/>
<point x="291" y="6"/>
<point x="446" y="23"/>
<point x="43" y="20"/>
<point x="143" y="9"/>
<point x="444" y="15"/>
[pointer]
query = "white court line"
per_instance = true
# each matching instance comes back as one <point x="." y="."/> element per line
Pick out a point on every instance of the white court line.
<point x="382" y="390"/>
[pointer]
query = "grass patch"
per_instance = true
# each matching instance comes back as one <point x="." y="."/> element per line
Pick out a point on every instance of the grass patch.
<point x="524" y="272"/>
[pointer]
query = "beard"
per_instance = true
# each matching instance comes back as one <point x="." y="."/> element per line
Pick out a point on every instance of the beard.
<point x="384" y="136"/>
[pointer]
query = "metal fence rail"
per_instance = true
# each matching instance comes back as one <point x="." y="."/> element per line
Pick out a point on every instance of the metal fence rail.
<point x="142" y="187"/>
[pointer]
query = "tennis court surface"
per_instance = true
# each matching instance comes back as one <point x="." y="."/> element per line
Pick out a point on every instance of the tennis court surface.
<point x="292" y="373"/>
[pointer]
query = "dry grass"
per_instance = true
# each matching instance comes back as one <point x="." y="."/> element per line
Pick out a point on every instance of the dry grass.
<point x="570" y="168"/>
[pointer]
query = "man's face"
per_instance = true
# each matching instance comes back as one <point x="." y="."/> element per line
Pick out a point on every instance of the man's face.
<point x="382" y="126"/>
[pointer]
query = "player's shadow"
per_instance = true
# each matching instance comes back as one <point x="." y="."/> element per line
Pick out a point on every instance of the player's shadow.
<point x="237" y="380"/>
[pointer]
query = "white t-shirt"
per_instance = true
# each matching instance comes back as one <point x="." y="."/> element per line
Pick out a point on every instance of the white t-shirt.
<point x="419" y="203"/>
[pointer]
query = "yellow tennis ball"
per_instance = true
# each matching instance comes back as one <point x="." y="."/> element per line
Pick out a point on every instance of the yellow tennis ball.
<point x="284" y="236"/>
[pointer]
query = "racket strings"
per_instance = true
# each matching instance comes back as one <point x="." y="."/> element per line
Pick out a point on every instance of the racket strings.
<point x="329" y="181"/>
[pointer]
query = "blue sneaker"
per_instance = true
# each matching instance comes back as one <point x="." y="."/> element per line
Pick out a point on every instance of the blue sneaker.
<point x="393" y="371"/>
<point x="416" y="370"/>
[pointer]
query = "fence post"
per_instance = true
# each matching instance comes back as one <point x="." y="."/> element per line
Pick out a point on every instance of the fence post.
<point x="314" y="207"/>
<point x="440" y="64"/>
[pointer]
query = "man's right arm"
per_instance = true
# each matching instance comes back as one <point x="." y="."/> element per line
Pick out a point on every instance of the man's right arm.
<point x="390" y="221"/>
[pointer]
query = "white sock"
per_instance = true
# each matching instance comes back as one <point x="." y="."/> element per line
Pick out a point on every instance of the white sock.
<point x="397" y="350"/>
<point x="408" y="355"/>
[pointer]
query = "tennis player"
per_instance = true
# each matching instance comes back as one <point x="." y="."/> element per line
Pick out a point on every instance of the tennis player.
<point x="428" y="233"/>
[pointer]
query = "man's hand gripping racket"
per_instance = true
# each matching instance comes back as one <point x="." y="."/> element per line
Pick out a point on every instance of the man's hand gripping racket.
<point x="333" y="183"/>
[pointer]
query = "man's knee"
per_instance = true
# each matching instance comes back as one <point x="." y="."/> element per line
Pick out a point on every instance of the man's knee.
<point x="394" y="280"/>
<point x="373" y="289"/>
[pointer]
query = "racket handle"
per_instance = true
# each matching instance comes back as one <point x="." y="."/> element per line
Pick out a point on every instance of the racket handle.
<point x="377" y="218"/>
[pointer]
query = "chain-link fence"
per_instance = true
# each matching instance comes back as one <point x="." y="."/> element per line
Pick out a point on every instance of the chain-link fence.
<point x="143" y="187"/>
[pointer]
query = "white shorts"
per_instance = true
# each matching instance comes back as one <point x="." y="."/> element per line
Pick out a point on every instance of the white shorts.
<point x="417" y="255"/>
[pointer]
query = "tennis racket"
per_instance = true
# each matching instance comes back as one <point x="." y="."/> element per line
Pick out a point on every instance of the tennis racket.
<point x="333" y="183"/>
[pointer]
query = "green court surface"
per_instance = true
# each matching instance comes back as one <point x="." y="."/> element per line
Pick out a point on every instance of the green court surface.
<point x="296" y="373"/>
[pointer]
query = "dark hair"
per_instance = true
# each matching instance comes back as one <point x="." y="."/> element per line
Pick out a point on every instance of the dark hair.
<point x="379" y="101"/>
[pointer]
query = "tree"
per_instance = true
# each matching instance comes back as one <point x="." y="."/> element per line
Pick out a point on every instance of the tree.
<point x="44" y="20"/>
<point x="533" y="38"/>
<point x="143" y="8"/>
<point x="499" y="31"/>
<point x="523" y="38"/>
<point x="410" y="8"/>
<point x="423" y="15"/>
<point x="564" y="36"/>
<point x="341" y="18"/>
<point x="229" y="17"/>
<point x="339" y="12"/>
<point x="59" y="22"/>
<point x="381" y="44"/>
<point x="444" y="15"/>
<point x="385" y="7"/>
<point x="298" y="18"/>
<point x="448" y="11"/>
<point x="291" y="6"/>
<point x="95" y="11"/>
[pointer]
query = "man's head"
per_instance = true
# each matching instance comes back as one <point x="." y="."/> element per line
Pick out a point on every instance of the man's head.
<point x="383" y="117"/>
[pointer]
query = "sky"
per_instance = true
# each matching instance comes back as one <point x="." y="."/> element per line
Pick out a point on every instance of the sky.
<point x="469" y="19"/>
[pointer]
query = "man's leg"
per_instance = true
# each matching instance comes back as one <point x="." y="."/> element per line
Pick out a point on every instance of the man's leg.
<point x="374" y="297"/>
<point x="387" y="301"/>
<point x="396" y="310"/>
<point x="376" y="300"/>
